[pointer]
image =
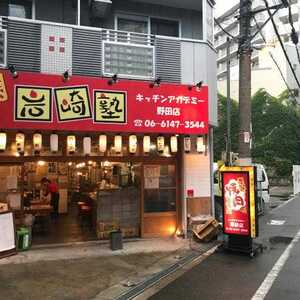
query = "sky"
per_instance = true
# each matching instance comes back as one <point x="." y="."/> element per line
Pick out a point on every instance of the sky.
<point x="223" y="5"/>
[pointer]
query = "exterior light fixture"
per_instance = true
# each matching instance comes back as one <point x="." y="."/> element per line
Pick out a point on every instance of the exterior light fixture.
<point x="118" y="143"/>
<point x="156" y="82"/>
<point x="198" y="86"/>
<point x="132" y="144"/>
<point x="87" y="145"/>
<point x="3" y="140"/>
<point x="41" y="163"/>
<point x="174" y="144"/>
<point x="146" y="143"/>
<point x="187" y="144"/>
<point x="66" y="76"/>
<point x="200" y="144"/>
<point x="20" y="142"/>
<point x="54" y="142"/>
<point x="37" y="142"/>
<point x="160" y="142"/>
<point x="71" y="144"/>
<point x="13" y="71"/>
<point x="113" y="80"/>
<point x="102" y="143"/>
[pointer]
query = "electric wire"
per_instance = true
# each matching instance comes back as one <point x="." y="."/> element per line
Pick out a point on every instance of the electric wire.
<point x="294" y="35"/>
<point x="224" y="30"/>
<point x="281" y="43"/>
<point x="274" y="60"/>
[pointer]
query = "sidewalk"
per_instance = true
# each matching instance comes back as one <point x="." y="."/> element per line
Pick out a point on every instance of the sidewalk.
<point x="87" y="271"/>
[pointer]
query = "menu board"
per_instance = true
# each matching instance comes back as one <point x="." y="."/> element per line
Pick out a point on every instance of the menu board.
<point x="151" y="175"/>
<point x="7" y="234"/>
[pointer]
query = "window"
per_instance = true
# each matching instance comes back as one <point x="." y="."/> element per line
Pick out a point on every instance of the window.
<point x="20" y="8"/>
<point x="159" y="188"/>
<point x="164" y="27"/>
<point x="147" y="25"/>
<point x="132" y="25"/>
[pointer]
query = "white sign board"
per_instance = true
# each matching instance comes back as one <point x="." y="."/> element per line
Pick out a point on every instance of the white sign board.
<point x="7" y="232"/>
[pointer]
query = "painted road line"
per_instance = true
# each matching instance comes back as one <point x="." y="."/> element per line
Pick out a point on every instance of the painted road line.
<point x="273" y="274"/>
<point x="284" y="204"/>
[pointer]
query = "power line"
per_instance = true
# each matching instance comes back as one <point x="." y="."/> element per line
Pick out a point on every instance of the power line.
<point x="281" y="43"/>
<point x="274" y="60"/>
<point x="224" y="30"/>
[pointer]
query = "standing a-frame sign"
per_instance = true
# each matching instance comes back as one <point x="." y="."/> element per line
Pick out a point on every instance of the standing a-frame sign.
<point x="7" y="234"/>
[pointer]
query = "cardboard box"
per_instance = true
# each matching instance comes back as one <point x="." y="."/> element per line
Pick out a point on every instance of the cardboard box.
<point x="207" y="231"/>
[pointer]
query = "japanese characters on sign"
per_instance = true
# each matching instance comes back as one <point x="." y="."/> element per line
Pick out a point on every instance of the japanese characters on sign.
<point x="239" y="216"/>
<point x="3" y="92"/>
<point x="86" y="104"/>
<point x="72" y="103"/>
<point x="33" y="103"/>
<point x="110" y="107"/>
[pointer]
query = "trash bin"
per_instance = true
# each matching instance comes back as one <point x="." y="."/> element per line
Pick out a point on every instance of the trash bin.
<point x="116" y="240"/>
<point x="23" y="239"/>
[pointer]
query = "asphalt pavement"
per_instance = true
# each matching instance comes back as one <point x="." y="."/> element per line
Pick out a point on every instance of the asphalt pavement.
<point x="233" y="276"/>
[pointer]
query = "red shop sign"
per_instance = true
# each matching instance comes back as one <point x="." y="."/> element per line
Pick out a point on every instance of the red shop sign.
<point x="236" y="203"/>
<point x="45" y="102"/>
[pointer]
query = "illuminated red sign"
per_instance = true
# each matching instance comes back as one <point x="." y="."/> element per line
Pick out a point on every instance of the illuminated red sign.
<point x="46" y="102"/>
<point x="236" y="203"/>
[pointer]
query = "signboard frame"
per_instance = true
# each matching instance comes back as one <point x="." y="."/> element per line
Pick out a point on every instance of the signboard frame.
<point x="250" y="172"/>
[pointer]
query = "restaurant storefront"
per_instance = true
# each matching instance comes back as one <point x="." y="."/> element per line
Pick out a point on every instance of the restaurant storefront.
<point x="115" y="149"/>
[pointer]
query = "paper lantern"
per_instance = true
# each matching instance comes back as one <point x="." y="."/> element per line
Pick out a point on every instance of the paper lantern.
<point x="37" y="142"/>
<point x="118" y="143"/>
<point x="132" y="144"/>
<point x="71" y="143"/>
<point x="160" y="143"/>
<point x="87" y="145"/>
<point x="3" y="139"/>
<point x="102" y="143"/>
<point x="200" y="144"/>
<point x="146" y="143"/>
<point x="187" y="144"/>
<point x="54" y="142"/>
<point x="20" y="142"/>
<point x="174" y="144"/>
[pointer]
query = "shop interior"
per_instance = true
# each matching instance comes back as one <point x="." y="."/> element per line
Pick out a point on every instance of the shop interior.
<point x="97" y="193"/>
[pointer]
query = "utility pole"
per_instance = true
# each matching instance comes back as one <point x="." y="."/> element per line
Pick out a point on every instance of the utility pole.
<point x="245" y="82"/>
<point x="228" y="150"/>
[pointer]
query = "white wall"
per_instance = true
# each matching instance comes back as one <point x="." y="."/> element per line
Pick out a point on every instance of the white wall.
<point x="198" y="63"/>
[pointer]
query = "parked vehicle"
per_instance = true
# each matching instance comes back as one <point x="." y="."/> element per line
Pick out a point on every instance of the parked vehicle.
<point x="262" y="189"/>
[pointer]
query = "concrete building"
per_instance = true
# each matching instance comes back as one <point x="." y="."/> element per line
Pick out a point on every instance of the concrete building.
<point x="265" y="73"/>
<point x="125" y="101"/>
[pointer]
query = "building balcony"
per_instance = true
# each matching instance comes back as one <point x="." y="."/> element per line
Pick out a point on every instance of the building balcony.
<point x="283" y="14"/>
<point x="53" y="48"/>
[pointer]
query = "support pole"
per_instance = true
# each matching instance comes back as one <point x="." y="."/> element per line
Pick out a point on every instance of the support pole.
<point x="245" y="82"/>
<point x="78" y="12"/>
<point x="228" y="150"/>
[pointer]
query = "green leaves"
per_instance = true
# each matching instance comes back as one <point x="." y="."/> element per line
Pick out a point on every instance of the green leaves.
<point x="276" y="131"/>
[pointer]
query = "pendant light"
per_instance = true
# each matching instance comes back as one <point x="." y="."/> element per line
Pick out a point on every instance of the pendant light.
<point x="102" y="143"/>
<point x="54" y="142"/>
<point x="174" y="144"/>
<point x="160" y="143"/>
<point x="146" y="143"/>
<point x="187" y="142"/>
<point x="118" y="143"/>
<point x="3" y="140"/>
<point x="71" y="144"/>
<point x="200" y="144"/>
<point x="37" y="142"/>
<point x="132" y="144"/>
<point x="20" y="142"/>
<point x="87" y="145"/>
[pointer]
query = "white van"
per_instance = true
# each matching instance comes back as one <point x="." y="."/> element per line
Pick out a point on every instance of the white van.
<point x="262" y="188"/>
